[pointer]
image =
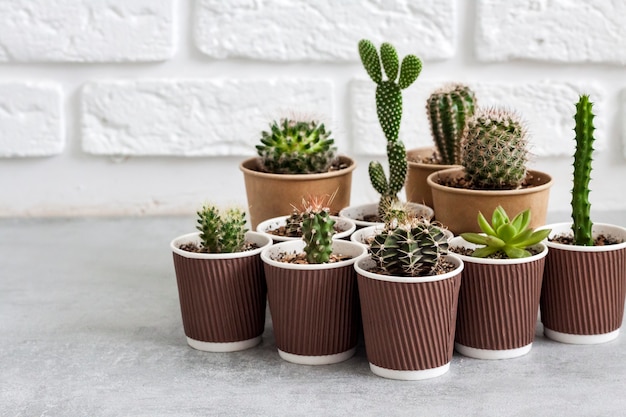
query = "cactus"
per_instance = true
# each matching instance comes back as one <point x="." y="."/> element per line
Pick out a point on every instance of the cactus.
<point x="413" y="248"/>
<point x="221" y="232"/>
<point x="317" y="231"/>
<point x="389" y="111"/>
<point x="449" y="109"/>
<point x="581" y="207"/>
<point x="293" y="224"/>
<point x="296" y="147"/>
<point x="494" y="150"/>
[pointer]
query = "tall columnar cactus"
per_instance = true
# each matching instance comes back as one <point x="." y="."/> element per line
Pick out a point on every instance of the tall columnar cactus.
<point x="317" y="231"/>
<point x="221" y="232"/>
<point x="413" y="248"/>
<point x="494" y="152"/>
<point x="296" y="147"/>
<point x="581" y="207"/>
<point x="449" y="109"/>
<point x="389" y="110"/>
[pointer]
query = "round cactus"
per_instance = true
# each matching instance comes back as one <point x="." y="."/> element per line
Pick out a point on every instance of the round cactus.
<point x="296" y="147"/>
<point x="494" y="152"/>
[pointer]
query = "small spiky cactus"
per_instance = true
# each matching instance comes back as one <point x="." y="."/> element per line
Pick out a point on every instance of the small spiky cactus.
<point x="449" y="109"/>
<point x="494" y="152"/>
<point x="413" y="248"/>
<point x="221" y="232"/>
<point x="296" y="147"/>
<point x="389" y="110"/>
<point x="581" y="207"/>
<point x="293" y="224"/>
<point x="317" y="231"/>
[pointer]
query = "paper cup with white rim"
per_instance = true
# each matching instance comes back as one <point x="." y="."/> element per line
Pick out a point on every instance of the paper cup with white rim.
<point x="344" y="226"/>
<point x="358" y="213"/>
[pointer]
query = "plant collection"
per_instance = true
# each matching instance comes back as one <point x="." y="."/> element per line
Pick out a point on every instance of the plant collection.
<point x="419" y="292"/>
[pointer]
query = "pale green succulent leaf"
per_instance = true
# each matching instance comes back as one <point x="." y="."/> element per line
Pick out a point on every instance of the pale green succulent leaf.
<point x="484" y="225"/>
<point x="515" y="253"/>
<point x="485" y="252"/>
<point x="475" y="238"/>
<point x="522" y="220"/>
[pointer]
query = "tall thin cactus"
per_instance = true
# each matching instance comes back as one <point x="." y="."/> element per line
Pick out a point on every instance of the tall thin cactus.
<point x="581" y="207"/>
<point x="389" y="111"/>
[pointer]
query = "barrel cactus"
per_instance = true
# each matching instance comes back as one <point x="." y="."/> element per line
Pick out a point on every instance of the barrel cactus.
<point x="413" y="248"/>
<point x="389" y="111"/>
<point x="221" y="231"/>
<point x="317" y="231"/>
<point x="581" y="207"/>
<point x="494" y="150"/>
<point x="296" y="147"/>
<point x="449" y="109"/>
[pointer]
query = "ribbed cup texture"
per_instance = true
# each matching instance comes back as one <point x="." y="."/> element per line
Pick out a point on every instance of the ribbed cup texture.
<point x="314" y="312"/>
<point x="583" y="292"/>
<point x="221" y="300"/>
<point x="498" y="305"/>
<point x="409" y="326"/>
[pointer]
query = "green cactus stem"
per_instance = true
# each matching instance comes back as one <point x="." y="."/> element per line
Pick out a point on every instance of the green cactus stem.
<point x="389" y="111"/>
<point x="221" y="232"/>
<point x="494" y="152"/>
<point x="449" y="109"/>
<point x="317" y="231"/>
<point x="581" y="207"/>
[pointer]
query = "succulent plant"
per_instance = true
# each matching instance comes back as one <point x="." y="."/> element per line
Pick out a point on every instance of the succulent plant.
<point x="293" y="224"/>
<point x="449" y="109"/>
<point x="317" y="230"/>
<point x="510" y="237"/>
<point x="296" y="147"/>
<point x="494" y="152"/>
<point x="581" y="207"/>
<point x="413" y="248"/>
<point x="389" y="111"/>
<point x="221" y="232"/>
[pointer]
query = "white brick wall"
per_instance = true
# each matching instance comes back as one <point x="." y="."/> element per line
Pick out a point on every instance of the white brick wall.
<point x="30" y="119"/>
<point x="187" y="85"/>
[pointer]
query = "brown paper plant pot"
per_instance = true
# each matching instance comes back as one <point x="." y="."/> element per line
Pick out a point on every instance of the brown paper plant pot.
<point x="408" y="323"/>
<point x="457" y="208"/>
<point x="584" y="288"/>
<point x="314" y="308"/>
<point x="272" y="195"/>
<point x="416" y="188"/>
<point x="222" y="296"/>
<point x="346" y="228"/>
<point x="498" y="304"/>
<point x="358" y="212"/>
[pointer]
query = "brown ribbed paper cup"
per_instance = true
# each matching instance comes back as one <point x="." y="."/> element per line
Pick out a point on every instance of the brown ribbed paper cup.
<point x="314" y="308"/>
<point x="408" y="323"/>
<point x="498" y="304"/>
<point x="222" y="296"/>
<point x="584" y="289"/>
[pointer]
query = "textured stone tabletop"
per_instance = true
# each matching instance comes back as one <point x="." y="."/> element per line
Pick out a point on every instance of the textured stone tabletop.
<point x="90" y="326"/>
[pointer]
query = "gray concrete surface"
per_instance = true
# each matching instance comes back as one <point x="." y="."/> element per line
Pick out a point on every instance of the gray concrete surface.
<point x="90" y="326"/>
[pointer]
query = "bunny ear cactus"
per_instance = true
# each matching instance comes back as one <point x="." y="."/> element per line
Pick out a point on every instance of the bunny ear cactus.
<point x="494" y="152"/>
<point x="511" y="237"/>
<point x="317" y="231"/>
<point x="222" y="232"/>
<point x="389" y="110"/>
<point x="581" y="207"/>
<point x="449" y="109"/>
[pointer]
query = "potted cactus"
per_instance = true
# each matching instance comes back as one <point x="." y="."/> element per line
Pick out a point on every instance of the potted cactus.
<point x="296" y="159"/>
<point x="389" y="111"/>
<point x="448" y="109"/>
<point x="220" y="281"/>
<point x="312" y="291"/>
<point x="284" y="228"/>
<point x="493" y="156"/>
<point x="408" y="287"/>
<point x="499" y="297"/>
<point x="582" y="299"/>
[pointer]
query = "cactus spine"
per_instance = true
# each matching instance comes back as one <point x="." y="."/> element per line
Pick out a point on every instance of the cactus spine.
<point x="389" y="111"/>
<point x="449" y="109"/>
<point x="317" y="231"/>
<point x="221" y="232"/>
<point x="581" y="207"/>
<point x="494" y="150"/>
<point x="296" y="147"/>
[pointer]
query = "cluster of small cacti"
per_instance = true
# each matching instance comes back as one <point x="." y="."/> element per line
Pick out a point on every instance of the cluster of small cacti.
<point x="317" y="231"/>
<point x="449" y="110"/>
<point x="494" y="151"/>
<point x="389" y="110"/>
<point x="412" y="248"/>
<point x="581" y="207"/>
<point x="221" y="232"/>
<point x="296" y="147"/>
